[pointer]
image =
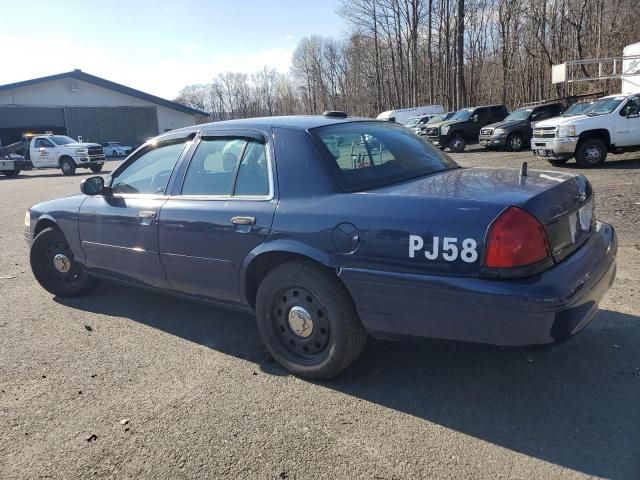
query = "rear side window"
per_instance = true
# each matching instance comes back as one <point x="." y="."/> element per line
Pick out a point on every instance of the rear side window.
<point x="364" y="155"/>
<point x="224" y="166"/>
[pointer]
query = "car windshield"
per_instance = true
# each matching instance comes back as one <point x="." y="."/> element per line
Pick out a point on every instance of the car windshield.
<point x="576" y="109"/>
<point x="62" y="140"/>
<point x="462" y="115"/>
<point x="518" y="115"/>
<point x="603" y="106"/>
<point x="372" y="154"/>
<point x="412" y="122"/>
<point x="436" y="118"/>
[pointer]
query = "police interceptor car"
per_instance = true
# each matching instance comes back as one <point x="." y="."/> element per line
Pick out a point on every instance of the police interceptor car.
<point x="330" y="229"/>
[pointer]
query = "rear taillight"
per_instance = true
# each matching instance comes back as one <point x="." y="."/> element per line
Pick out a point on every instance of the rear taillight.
<point x="515" y="239"/>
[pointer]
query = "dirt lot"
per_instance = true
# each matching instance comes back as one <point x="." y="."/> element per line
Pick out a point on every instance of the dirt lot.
<point x="131" y="384"/>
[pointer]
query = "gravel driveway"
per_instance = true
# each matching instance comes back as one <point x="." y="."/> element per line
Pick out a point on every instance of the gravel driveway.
<point x="126" y="383"/>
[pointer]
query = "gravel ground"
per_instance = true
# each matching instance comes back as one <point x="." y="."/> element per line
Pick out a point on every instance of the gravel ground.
<point x="132" y="384"/>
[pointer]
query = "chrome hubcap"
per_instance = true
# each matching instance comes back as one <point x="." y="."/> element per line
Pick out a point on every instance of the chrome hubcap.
<point x="592" y="154"/>
<point x="61" y="263"/>
<point x="300" y="321"/>
<point x="516" y="143"/>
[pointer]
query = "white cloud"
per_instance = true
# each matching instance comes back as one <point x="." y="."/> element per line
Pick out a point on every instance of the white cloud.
<point x="158" y="73"/>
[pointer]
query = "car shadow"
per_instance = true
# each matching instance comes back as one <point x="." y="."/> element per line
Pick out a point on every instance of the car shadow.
<point x="574" y="405"/>
<point x="55" y="173"/>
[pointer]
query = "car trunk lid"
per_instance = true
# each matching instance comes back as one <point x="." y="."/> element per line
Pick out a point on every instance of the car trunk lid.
<point x="563" y="203"/>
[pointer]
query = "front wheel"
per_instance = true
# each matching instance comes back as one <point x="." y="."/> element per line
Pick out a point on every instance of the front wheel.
<point x="457" y="144"/>
<point x="515" y="142"/>
<point x="308" y="321"/>
<point x="55" y="268"/>
<point x="96" y="168"/>
<point x="12" y="173"/>
<point x="67" y="166"/>
<point x="591" y="152"/>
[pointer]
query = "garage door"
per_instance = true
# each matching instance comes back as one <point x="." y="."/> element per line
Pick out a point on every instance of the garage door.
<point x="129" y="125"/>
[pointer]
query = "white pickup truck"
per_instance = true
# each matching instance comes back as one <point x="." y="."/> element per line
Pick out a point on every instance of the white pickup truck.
<point x="609" y="125"/>
<point x="51" y="151"/>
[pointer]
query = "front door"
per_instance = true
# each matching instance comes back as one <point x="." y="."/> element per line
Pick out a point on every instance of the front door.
<point x="627" y="124"/>
<point x="223" y="210"/>
<point x="43" y="153"/>
<point x="119" y="231"/>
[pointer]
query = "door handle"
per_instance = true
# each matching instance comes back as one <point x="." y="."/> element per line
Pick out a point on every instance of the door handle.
<point x="243" y="220"/>
<point x="146" y="215"/>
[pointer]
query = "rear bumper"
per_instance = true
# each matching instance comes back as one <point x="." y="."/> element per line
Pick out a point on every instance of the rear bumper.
<point x="554" y="148"/>
<point x="546" y="308"/>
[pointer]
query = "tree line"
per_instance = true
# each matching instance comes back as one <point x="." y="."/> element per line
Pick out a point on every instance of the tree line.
<point x="457" y="53"/>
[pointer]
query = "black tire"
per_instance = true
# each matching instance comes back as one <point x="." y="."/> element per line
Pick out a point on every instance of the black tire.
<point x="11" y="173"/>
<point x="457" y="144"/>
<point x="591" y="152"/>
<point x="74" y="282"/>
<point x="557" y="163"/>
<point x="67" y="166"/>
<point x="337" y="336"/>
<point x="515" y="142"/>
<point x="96" y="168"/>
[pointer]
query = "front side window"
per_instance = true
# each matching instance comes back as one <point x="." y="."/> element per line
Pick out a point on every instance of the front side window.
<point x="366" y="155"/>
<point x="43" y="143"/>
<point x="149" y="173"/>
<point x="631" y="108"/>
<point x="462" y="115"/>
<point x="225" y="166"/>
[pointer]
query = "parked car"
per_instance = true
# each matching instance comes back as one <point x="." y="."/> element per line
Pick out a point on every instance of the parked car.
<point x="415" y="122"/>
<point x="464" y="127"/>
<point x="515" y="131"/>
<point x="401" y="115"/>
<point x="326" y="251"/>
<point x="436" y="120"/>
<point x="609" y="125"/>
<point x="116" y="149"/>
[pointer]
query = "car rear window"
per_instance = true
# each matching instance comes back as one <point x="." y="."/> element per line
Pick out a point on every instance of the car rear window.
<point x="365" y="155"/>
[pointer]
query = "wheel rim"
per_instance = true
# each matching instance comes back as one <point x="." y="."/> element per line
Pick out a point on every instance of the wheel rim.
<point x="457" y="144"/>
<point x="592" y="154"/>
<point x="516" y="143"/>
<point x="66" y="168"/>
<point x="301" y="324"/>
<point x="59" y="263"/>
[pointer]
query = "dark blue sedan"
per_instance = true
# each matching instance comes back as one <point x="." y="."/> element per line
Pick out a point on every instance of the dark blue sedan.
<point x="333" y="228"/>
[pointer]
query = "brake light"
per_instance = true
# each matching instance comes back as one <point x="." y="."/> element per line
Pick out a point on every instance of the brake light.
<point x="516" y="239"/>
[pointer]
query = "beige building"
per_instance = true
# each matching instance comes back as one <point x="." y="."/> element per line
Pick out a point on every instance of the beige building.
<point x="78" y="104"/>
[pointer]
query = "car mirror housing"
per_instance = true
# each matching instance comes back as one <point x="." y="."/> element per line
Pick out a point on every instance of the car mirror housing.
<point x="474" y="118"/>
<point x="92" y="186"/>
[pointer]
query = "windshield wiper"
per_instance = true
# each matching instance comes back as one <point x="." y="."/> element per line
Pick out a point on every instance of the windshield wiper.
<point x="593" y="114"/>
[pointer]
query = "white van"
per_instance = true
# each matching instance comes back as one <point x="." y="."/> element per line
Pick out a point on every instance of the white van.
<point x="403" y="114"/>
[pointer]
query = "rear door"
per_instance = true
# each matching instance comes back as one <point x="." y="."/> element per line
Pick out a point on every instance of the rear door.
<point x="222" y="208"/>
<point x="119" y="232"/>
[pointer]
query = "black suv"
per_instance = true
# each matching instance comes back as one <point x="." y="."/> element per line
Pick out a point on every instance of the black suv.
<point x="464" y="126"/>
<point x="515" y="131"/>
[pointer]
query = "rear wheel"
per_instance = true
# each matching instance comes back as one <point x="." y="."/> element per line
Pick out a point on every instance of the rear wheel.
<point x="515" y="142"/>
<point x="96" y="168"/>
<point x="55" y="268"/>
<point x="67" y="166"/>
<point x="11" y="173"/>
<point x="308" y="321"/>
<point x="457" y="144"/>
<point x="591" y="152"/>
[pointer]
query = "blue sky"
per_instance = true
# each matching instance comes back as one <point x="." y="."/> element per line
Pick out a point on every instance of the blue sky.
<point x="157" y="46"/>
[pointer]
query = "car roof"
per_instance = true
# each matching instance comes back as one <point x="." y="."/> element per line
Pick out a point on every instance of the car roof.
<point x="302" y="122"/>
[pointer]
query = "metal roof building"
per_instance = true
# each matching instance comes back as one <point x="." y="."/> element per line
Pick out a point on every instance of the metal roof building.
<point x="79" y="104"/>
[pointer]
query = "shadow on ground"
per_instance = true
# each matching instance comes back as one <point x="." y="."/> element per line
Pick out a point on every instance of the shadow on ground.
<point x="575" y="405"/>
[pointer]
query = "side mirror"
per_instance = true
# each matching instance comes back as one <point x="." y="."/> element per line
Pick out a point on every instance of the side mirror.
<point x="535" y="117"/>
<point x="474" y="118"/>
<point x="92" y="186"/>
